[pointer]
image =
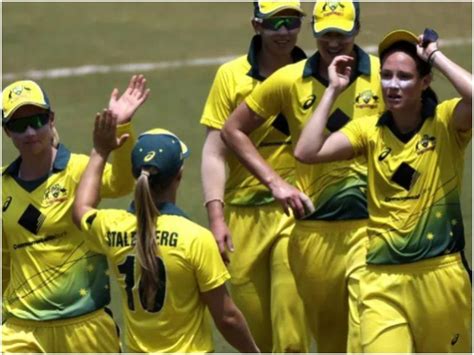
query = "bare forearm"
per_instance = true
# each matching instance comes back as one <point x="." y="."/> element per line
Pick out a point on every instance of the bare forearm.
<point x="235" y="331"/>
<point x="88" y="191"/>
<point x="458" y="76"/>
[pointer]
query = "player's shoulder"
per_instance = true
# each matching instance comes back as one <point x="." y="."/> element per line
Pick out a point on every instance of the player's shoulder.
<point x="236" y="66"/>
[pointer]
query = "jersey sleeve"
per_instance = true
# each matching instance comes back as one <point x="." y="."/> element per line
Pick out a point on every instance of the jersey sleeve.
<point x="357" y="135"/>
<point x="209" y="268"/>
<point x="219" y="104"/>
<point x="94" y="224"/>
<point x="266" y="99"/>
<point x="445" y="112"/>
<point x="117" y="179"/>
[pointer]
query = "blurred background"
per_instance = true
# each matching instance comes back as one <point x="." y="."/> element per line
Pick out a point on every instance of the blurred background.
<point x="79" y="52"/>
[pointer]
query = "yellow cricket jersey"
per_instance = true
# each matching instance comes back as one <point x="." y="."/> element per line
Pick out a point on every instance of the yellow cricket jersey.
<point x="338" y="190"/>
<point x="48" y="271"/>
<point x="189" y="263"/>
<point x="414" y="187"/>
<point x="233" y="82"/>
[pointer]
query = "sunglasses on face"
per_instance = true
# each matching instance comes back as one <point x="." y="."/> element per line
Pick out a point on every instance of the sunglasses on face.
<point x="275" y="23"/>
<point x="19" y="125"/>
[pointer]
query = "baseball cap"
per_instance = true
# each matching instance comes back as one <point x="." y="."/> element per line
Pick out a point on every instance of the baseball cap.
<point x="266" y="9"/>
<point x="160" y="149"/>
<point x="336" y="16"/>
<point x="397" y="36"/>
<point x="21" y="93"/>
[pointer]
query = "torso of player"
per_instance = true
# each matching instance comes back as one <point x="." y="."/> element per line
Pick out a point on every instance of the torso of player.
<point x="178" y="322"/>
<point x="414" y="190"/>
<point x="338" y="190"/>
<point x="54" y="275"/>
<point x="234" y="81"/>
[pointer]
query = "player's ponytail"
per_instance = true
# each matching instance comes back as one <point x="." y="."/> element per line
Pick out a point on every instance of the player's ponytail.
<point x="146" y="248"/>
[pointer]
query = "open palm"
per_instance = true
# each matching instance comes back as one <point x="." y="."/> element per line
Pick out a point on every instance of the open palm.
<point x="135" y="95"/>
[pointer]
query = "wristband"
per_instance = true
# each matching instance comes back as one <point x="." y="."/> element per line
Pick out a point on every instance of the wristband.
<point x="431" y="57"/>
<point x="212" y="200"/>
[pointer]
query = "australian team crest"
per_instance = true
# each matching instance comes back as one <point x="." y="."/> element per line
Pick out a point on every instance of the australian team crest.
<point x="425" y="144"/>
<point x="366" y="99"/>
<point x="55" y="193"/>
<point x="333" y="6"/>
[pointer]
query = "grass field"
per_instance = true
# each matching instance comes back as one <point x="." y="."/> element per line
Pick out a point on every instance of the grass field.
<point x="41" y="36"/>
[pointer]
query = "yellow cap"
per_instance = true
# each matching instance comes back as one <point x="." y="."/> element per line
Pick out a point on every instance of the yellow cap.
<point x="397" y="36"/>
<point x="266" y="9"/>
<point x="21" y="93"/>
<point x="335" y="16"/>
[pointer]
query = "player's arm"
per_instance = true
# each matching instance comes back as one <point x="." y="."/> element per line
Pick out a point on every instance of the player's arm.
<point x="460" y="78"/>
<point x="105" y="141"/>
<point x="229" y="320"/>
<point x="313" y="145"/>
<point x="213" y="178"/>
<point x="235" y="134"/>
<point x="117" y="178"/>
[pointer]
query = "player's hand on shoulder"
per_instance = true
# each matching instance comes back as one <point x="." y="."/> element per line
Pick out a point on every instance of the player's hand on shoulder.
<point x="105" y="130"/>
<point x="124" y="106"/>
<point x="223" y="238"/>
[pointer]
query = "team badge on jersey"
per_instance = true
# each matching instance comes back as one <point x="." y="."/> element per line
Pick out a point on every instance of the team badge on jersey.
<point x="427" y="143"/>
<point x="366" y="99"/>
<point x="55" y="193"/>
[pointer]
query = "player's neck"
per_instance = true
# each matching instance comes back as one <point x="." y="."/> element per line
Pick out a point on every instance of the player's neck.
<point x="268" y="62"/>
<point x="407" y="120"/>
<point x="35" y="166"/>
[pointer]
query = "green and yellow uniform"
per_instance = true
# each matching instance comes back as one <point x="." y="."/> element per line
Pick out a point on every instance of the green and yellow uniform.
<point x="327" y="247"/>
<point x="416" y="235"/>
<point x="262" y="284"/>
<point x="189" y="263"/>
<point x="55" y="287"/>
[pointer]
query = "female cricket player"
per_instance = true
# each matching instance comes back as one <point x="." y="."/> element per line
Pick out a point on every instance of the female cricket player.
<point x="168" y="267"/>
<point x="416" y="289"/>
<point x="55" y="289"/>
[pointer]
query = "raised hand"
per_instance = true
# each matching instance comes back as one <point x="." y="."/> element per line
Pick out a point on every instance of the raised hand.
<point x="105" y="130"/>
<point x="339" y="72"/>
<point x="428" y="44"/>
<point x="134" y="96"/>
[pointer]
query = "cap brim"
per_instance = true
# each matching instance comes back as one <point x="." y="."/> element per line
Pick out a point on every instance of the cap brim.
<point x="7" y="117"/>
<point x="397" y="36"/>
<point x="335" y="29"/>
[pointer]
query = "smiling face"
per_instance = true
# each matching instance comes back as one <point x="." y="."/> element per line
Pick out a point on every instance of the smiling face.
<point x="282" y="41"/>
<point x="332" y="44"/>
<point x="32" y="141"/>
<point x="402" y="84"/>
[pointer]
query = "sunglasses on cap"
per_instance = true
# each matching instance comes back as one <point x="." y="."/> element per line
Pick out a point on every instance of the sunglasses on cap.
<point x="275" y="23"/>
<point x="19" y="125"/>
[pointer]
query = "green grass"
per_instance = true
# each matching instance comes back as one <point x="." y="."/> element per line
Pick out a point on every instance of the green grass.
<point x="45" y="36"/>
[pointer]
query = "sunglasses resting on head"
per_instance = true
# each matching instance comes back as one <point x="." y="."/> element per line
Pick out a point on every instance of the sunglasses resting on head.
<point x="20" y="125"/>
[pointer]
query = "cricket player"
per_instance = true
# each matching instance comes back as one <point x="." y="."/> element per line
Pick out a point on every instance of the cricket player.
<point x="416" y="292"/>
<point x="168" y="268"/>
<point x="327" y="245"/>
<point x="252" y="231"/>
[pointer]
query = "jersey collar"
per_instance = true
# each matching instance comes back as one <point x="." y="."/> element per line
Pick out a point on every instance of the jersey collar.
<point x="252" y="57"/>
<point x="312" y="65"/>
<point x="165" y="208"/>
<point x="60" y="162"/>
<point x="428" y="110"/>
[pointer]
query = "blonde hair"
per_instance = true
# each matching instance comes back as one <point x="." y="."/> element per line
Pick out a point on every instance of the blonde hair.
<point x="55" y="140"/>
<point x="146" y="248"/>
